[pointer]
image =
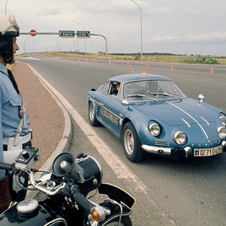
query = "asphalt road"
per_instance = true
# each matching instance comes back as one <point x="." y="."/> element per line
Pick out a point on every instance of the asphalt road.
<point x="178" y="192"/>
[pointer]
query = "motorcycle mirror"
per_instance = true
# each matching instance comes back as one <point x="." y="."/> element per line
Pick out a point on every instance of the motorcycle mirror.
<point x="64" y="165"/>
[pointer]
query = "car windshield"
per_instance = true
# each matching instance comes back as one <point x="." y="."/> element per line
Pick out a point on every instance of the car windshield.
<point x="147" y="90"/>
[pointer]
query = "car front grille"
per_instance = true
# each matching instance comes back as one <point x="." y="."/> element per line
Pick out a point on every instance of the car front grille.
<point x="161" y="143"/>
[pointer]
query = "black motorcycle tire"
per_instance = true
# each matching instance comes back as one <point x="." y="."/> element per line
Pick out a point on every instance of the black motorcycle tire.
<point x="125" y="221"/>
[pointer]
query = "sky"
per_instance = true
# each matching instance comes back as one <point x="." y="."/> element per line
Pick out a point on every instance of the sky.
<point x="168" y="26"/>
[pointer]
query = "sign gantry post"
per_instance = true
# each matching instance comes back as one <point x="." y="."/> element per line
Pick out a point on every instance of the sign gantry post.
<point x="67" y="34"/>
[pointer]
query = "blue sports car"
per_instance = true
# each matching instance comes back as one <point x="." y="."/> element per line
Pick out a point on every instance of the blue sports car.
<point x="150" y="113"/>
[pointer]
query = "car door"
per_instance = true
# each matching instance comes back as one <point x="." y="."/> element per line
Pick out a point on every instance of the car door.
<point x="109" y="112"/>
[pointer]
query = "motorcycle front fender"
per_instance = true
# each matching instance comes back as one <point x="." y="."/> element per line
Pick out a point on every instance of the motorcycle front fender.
<point x="117" y="194"/>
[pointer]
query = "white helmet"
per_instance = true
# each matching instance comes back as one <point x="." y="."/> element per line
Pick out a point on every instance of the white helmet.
<point x="8" y="29"/>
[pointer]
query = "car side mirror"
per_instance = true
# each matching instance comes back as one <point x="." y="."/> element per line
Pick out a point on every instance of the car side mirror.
<point x="201" y="97"/>
<point x="125" y="102"/>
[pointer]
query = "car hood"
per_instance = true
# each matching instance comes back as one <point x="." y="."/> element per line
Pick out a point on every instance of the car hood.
<point x="178" y="112"/>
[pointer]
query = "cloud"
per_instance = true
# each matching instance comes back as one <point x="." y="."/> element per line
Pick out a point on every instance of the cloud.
<point x="50" y="11"/>
<point x="166" y="9"/>
<point x="191" y="11"/>
<point x="167" y="38"/>
<point x="102" y="7"/>
<point x="204" y="38"/>
<point x="208" y="38"/>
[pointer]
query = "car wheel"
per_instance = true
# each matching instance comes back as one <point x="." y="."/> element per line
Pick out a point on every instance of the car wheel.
<point x="92" y="115"/>
<point x="131" y="143"/>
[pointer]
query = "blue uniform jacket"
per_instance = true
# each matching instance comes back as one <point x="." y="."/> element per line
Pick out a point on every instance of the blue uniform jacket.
<point x="10" y="103"/>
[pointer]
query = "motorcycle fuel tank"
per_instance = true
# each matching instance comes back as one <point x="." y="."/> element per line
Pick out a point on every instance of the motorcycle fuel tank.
<point x="29" y="212"/>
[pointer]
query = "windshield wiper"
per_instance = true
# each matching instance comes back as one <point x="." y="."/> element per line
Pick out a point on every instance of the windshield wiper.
<point x="135" y="95"/>
<point x="164" y="93"/>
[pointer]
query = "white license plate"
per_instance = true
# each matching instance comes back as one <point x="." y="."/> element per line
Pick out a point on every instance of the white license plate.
<point x="208" y="152"/>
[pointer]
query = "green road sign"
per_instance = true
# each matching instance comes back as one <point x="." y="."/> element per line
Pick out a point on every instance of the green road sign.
<point x="83" y="34"/>
<point x="67" y="34"/>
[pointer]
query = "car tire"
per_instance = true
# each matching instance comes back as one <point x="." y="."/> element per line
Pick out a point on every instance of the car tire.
<point x="92" y="115"/>
<point x="131" y="143"/>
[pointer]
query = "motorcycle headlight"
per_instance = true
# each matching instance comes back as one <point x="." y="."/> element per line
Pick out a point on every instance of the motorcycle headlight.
<point x="223" y="120"/>
<point x="222" y="132"/>
<point x="155" y="129"/>
<point x="85" y="170"/>
<point x="180" y="138"/>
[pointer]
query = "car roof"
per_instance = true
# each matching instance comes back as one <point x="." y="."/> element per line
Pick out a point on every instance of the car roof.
<point x="132" y="77"/>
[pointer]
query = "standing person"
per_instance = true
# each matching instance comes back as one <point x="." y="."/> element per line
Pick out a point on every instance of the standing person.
<point x="15" y="133"/>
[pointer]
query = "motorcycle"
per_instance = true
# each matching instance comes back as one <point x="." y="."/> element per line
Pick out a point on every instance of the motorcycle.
<point x="66" y="189"/>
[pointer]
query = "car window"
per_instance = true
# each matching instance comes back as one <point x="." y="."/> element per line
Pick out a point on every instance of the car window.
<point x="142" y="90"/>
<point x="105" y="88"/>
<point x="135" y="87"/>
<point x="114" y="89"/>
<point x="170" y="87"/>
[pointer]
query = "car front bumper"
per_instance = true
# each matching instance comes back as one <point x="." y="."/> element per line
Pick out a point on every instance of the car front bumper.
<point x="179" y="152"/>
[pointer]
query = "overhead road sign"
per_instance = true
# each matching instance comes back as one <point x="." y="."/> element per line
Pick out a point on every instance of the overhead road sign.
<point x="66" y="34"/>
<point x="83" y="34"/>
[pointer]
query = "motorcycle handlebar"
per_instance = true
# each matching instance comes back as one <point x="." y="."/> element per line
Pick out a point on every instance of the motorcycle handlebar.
<point x="79" y="198"/>
<point x="51" y="192"/>
<point x="6" y="166"/>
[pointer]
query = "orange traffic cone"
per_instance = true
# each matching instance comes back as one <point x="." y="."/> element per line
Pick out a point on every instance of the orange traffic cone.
<point x="79" y="60"/>
<point x="95" y="61"/>
<point x="211" y="71"/>
<point x="68" y="59"/>
<point x="172" y="68"/>
<point x="109" y="62"/>
<point x="128" y="63"/>
<point x="72" y="59"/>
<point x="61" y="58"/>
<point x="148" y="66"/>
<point x="86" y="60"/>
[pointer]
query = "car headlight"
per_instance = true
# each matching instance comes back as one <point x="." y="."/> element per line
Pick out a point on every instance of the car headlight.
<point x="180" y="137"/>
<point x="222" y="132"/>
<point x="223" y="120"/>
<point x="154" y="129"/>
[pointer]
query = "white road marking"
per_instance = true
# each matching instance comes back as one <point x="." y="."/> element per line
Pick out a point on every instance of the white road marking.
<point x="28" y="58"/>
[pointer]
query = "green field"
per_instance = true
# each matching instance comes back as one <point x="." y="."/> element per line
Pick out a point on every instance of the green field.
<point x="155" y="57"/>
